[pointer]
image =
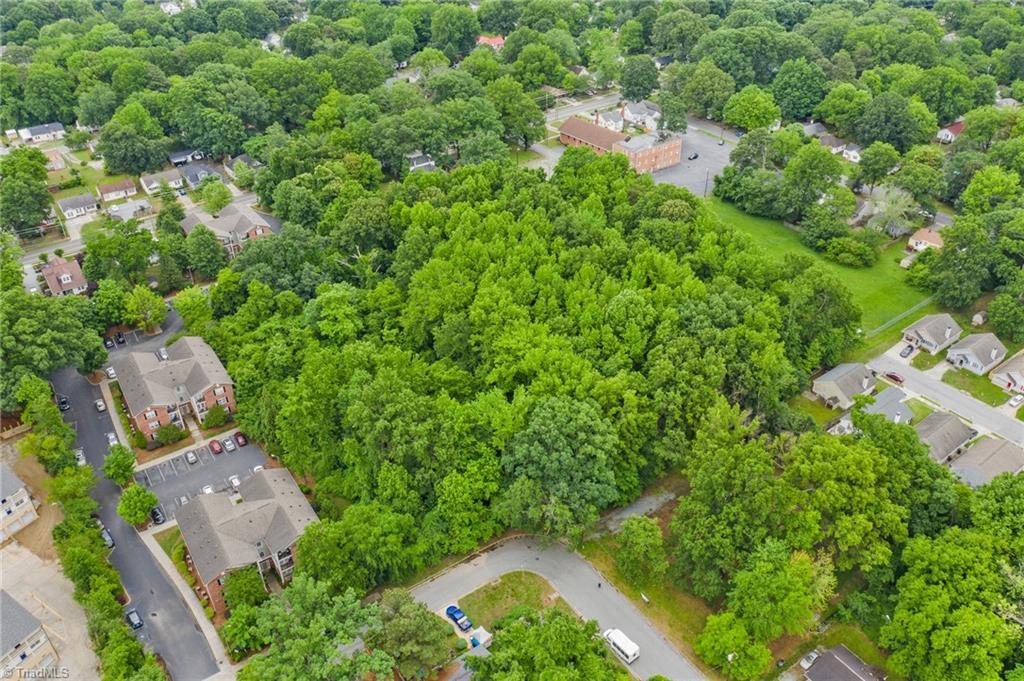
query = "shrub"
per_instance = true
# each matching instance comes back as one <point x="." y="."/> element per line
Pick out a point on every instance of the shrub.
<point x="851" y="252"/>
<point x="216" y="417"/>
<point x="169" y="434"/>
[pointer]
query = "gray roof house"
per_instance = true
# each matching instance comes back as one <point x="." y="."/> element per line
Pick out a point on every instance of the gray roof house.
<point x="420" y="162"/>
<point x="230" y="166"/>
<point x="933" y="332"/>
<point x="194" y="173"/>
<point x="987" y="459"/>
<point x="18" y="623"/>
<point x="151" y="184"/>
<point x="24" y="645"/>
<point x="644" y="113"/>
<point x="841" y="664"/>
<point x="977" y="353"/>
<point x="73" y="206"/>
<point x="191" y="367"/>
<point x="234" y="226"/>
<point x="123" y="212"/>
<point x="183" y="156"/>
<point x="838" y="386"/>
<point x="944" y="434"/>
<point x="888" y="403"/>
<point x="1010" y="374"/>
<point x="815" y="129"/>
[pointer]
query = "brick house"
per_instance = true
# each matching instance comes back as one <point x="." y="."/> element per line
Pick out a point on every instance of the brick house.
<point x="25" y="649"/>
<point x="257" y="524"/>
<point x="234" y="226"/>
<point x="191" y="381"/>
<point x="64" y="277"/>
<point x="16" y="507"/>
<point x="646" y="153"/>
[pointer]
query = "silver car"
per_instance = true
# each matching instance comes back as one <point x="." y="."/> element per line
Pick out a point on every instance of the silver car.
<point x="111" y="439"/>
<point x="100" y="405"/>
<point x="111" y="374"/>
<point x="229" y="444"/>
<point x="191" y="457"/>
<point x="162" y="354"/>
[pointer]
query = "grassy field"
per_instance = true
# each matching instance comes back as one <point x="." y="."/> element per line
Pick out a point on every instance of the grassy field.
<point x="925" y="360"/>
<point x="167" y="539"/>
<point x="523" y="155"/>
<point x="880" y="290"/>
<point x="813" y="408"/>
<point x="919" y="409"/>
<point x="490" y="603"/>
<point x="978" y="386"/>
<point x="90" y="178"/>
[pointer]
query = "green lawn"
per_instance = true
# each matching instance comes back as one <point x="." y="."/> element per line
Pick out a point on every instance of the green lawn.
<point x="93" y="227"/>
<point x="522" y="155"/>
<point x="552" y="142"/>
<point x="863" y="647"/>
<point x="90" y="177"/>
<point x="919" y="408"/>
<point x="925" y="360"/>
<point x="167" y="539"/>
<point x="813" y="408"/>
<point x="978" y="386"/>
<point x="880" y="290"/>
<point x="490" y="603"/>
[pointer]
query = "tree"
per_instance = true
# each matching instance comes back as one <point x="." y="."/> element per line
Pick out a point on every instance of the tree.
<point x="560" y="468"/>
<point x="169" y="434"/>
<point x="23" y="191"/>
<point x="521" y="118"/>
<point x="961" y="270"/>
<point x="631" y="37"/>
<point x="751" y="108"/>
<point x="241" y="633"/>
<point x="673" y="112"/>
<point x="482" y="147"/>
<point x="244" y="588"/>
<point x="412" y="635"/>
<point x="843" y="107"/>
<point x="876" y="162"/>
<point x="989" y="188"/>
<point x="1006" y="312"/>
<point x="119" y="465"/>
<point x="306" y="626"/>
<point x="144" y="308"/>
<point x="550" y="643"/>
<point x="48" y="93"/>
<point x="215" y="195"/>
<point x="215" y="417"/>
<point x="120" y="251"/>
<point x="707" y="90"/>
<point x="641" y="554"/>
<point x="725" y="643"/>
<point x="454" y="27"/>
<point x="888" y="118"/>
<point x="193" y="305"/>
<point x="678" y="32"/>
<point x="797" y="88"/>
<point x="895" y="212"/>
<point x="135" y="504"/>
<point x="639" y="77"/>
<point x="132" y="141"/>
<point x="537" y="65"/>
<point x="205" y="252"/>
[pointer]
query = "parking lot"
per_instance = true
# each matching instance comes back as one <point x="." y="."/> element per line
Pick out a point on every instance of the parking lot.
<point x="175" y="478"/>
<point x="698" y="175"/>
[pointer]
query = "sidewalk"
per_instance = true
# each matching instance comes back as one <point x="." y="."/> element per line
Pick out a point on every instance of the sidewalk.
<point x="191" y="601"/>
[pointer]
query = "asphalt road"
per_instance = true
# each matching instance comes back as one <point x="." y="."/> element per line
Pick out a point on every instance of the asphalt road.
<point x="175" y="478"/>
<point x="951" y="399"/>
<point x="170" y="629"/>
<point x="577" y="582"/>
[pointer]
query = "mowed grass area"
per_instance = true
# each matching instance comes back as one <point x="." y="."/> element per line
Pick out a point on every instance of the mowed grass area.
<point x="980" y="387"/>
<point x="862" y="646"/>
<point x="493" y="601"/>
<point x="919" y="409"/>
<point x="881" y="290"/>
<point x="167" y="539"/>
<point x="926" y="360"/>
<point x="816" y="409"/>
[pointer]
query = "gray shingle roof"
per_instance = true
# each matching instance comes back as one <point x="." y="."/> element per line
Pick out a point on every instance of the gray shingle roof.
<point x="840" y="664"/>
<point x="16" y="623"/>
<point x="848" y="379"/>
<point x="192" y="367"/>
<point x="232" y="222"/>
<point x="889" y="403"/>
<point x="943" y="433"/>
<point x="222" y="535"/>
<point x="986" y="347"/>
<point x="79" y="201"/>
<point x="932" y="328"/>
<point x="1012" y="368"/>
<point x="986" y="459"/>
<point x="9" y="481"/>
<point x="45" y="129"/>
<point x="155" y="179"/>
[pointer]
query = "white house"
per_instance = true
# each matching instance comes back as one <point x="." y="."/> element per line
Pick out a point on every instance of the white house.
<point x="852" y="153"/>
<point x="42" y="133"/>
<point x="172" y="178"/>
<point x="832" y="143"/>
<point x="1010" y="374"/>
<point x="644" y="114"/>
<point x="117" y="190"/>
<point x="949" y="133"/>
<point x="977" y="353"/>
<point x="924" y="239"/>
<point x="612" y="120"/>
<point x="75" y="206"/>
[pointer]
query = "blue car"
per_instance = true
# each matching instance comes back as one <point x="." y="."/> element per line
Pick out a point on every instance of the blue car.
<point x="459" y="617"/>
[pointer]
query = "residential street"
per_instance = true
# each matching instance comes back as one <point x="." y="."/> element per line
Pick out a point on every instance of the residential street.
<point x="169" y="627"/>
<point x="577" y="582"/>
<point x="949" y="398"/>
<point x="587" y="106"/>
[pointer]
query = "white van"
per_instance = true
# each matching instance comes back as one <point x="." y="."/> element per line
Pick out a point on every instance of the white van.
<point x="622" y="646"/>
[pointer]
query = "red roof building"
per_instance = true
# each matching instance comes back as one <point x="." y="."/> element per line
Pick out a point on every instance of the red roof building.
<point x="495" y="41"/>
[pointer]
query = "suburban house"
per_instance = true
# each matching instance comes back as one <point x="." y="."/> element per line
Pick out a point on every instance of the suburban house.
<point x="832" y="143"/>
<point x="54" y="160"/>
<point x="852" y="152"/>
<point x="259" y="524"/>
<point x="612" y="120"/>
<point x="233" y="227"/>
<point x="647" y="153"/>
<point x="662" y="62"/>
<point x="420" y="162"/>
<point x="15" y="503"/>
<point x="645" y="114"/>
<point x="841" y="664"/>
<point x="75" y="206"/>
<point x="950" y="133"/>
<point x="64" y="277"/>
<point x="495" y="41"/>
<point x="977" y="353"/>
<point x="933" y="332"/>
<point x="888" y="403"/>
<point x="924" y="239"/>
<point x="42" y="133"/>
<point x="195" y="173"/>
<point x="161" y="392"/>
<point x="25" y="649"/>
<point x="944" y="434"/>
<point x="123" y="212"/>
<point x="151" y="184"/>
<point x="117" y="190"/>
<point x="183" y="156"/>
<point x="1010" y="374"/>
<point x="170" y="8"/>
<point x="838" y="386"/>
<point x="244" y="159"/>
<point x="986" y="459"/>
<point x="814" y="129"/>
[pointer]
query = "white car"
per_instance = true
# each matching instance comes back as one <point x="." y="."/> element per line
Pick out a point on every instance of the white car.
<point x="190" y="456"/>
<point x="80" y="456"/>
<point x="182" y="500"/>
<point x="162" y="354"/>
<point x="111" y="374"/>
<point x="229" y="444"/>
<point x="1016" y="401"/>
<point x="100" y="405"/>
<point x="807" y="660"/>
<point x="207" y="489"/>
<point x="235" y="482"/>
<point x="257" y="469"/>
<point x="111" y="439"/>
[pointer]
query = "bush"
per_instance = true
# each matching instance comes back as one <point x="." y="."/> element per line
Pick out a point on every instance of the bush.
<point x="216" y="417"/>
<point x="851" y="252"/>
<point x="138" y="440"/>
<point x="244" y="587"/>
<point x="209" y="612"/>
<point x="170" y="434"/>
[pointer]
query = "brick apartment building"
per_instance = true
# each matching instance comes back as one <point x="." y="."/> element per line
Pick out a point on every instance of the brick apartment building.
<point x="160" y="392"/>
<point x="234" y="226"/>
<point x="646" y="153"/>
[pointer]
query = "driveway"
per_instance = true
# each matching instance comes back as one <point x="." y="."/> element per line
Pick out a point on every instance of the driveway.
<point x="577" y="582"/>
<point x="917" y="382"/>
<point x="174" y="478"/>
<point x="698" y="175"/>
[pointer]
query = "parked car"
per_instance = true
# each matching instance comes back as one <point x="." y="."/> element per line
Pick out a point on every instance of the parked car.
<point x="459" y="617"/>
<point x="191" y="457"/>
<point x="111" y="439"/>
<point x="215" y="447"/>
<point x="133" y="619"/>
<point x="907" y="351"/>
<point x="1016" y="401"/>
<point x="257" y="469"/>
<point x="894" y="377"/>
<point x="108" y="541"/>
<point x="693" y="156"/>
<point x="111" y="374"/>
<point x="721" y="142"/>
<point x="63" y="402"/>
<point x="207" y="489"/>
<point x="108" y="342"/>
<point x="162" y="354"/>
<point x="157" y="515"/>
<point x="807" y="660"/>
<point x="229" y="444"/>
<point x="119" y="337"/>
<point x="80" y="456"/>
<point x="100" y="405"/>
<point x="181" y="192"/>
<point x="235" y="481"/>
<point x="241" y="439"/>
<point x="182" y="500"/>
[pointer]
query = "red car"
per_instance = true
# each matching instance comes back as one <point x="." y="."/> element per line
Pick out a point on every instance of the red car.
<point x="216" y="447"/>
<point x="241" y="439"/>
<point x="894" y="377"/>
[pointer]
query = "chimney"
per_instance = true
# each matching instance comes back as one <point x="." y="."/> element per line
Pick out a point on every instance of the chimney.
<point x="898" y="417"/>
<point x="995" y="353"/>
<point x="949" y="331"/>
<point x="865" y="382"/>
